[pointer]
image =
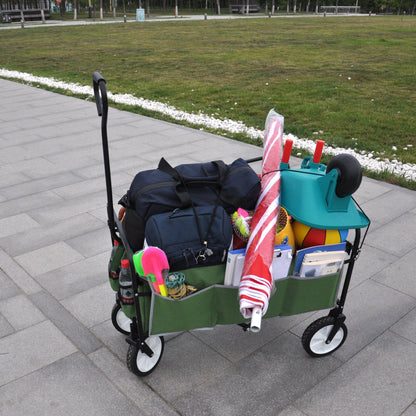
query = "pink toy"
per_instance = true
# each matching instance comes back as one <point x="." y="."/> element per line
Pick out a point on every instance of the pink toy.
<point x="155" y="265"/>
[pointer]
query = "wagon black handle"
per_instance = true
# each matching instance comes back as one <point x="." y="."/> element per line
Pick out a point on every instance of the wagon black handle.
<point x="100" y="93"/>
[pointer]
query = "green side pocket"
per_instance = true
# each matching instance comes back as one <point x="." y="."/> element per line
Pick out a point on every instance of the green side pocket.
<point x="295" y="295"/>
<point x="214" y="304"/>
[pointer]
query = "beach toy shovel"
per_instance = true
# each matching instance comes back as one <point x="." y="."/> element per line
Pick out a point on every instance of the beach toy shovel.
<point x="155" y="264"/>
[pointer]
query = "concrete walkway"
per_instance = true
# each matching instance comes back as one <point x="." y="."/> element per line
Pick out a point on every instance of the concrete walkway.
<point x="60" y="354"/>
<point x="157" y="18"/>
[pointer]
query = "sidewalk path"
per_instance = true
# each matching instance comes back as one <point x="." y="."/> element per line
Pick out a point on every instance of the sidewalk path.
<point x="59" y="353"/>
<point x="180" y="18"/>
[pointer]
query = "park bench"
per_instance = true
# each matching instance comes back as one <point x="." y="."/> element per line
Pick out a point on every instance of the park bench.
<point x="340" y="9"/>
<point x="242" y="8"/>
<point x="9" y="16"/>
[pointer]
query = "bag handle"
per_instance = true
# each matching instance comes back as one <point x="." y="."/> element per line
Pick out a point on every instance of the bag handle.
<point x="185" y="198"/>
<point x="218" y="179"/>
<point x="182" y="181"/>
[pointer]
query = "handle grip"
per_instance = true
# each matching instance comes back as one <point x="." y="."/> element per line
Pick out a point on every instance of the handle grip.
<point x="100" y="99"/>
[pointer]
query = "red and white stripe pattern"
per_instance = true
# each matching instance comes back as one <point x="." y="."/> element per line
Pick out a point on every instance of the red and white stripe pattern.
<point x="256" y="282"/>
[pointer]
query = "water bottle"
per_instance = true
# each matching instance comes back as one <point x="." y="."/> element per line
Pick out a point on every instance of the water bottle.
<point x="117" y="253"/>
<point x="125" y="283"/>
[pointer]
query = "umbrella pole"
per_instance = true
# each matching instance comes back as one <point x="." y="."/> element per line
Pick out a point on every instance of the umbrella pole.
<point x="255" y="325"/>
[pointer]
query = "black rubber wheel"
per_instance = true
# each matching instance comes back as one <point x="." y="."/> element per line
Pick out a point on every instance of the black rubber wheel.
<point x="315" y="336"/>
<point x="349" y="174"/>
<point x="119" y="319"/>
<point x="139" y="362"/>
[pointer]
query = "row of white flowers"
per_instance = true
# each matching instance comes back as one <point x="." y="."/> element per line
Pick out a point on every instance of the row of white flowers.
<point x="367" y="160"/>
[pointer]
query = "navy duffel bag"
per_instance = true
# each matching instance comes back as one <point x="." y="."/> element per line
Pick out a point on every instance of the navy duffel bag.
<point x="191" y="237"/>
<point x="163" y="189"/>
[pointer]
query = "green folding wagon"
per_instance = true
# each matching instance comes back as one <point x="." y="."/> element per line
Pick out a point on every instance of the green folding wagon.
<point x="317" y="196"/>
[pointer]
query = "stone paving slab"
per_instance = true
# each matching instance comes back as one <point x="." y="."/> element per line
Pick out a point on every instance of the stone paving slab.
<point x="48" y="258"/>
<point x="20" y="312"/>
<point x="76" y="277"/>
<point x="377" y="381"/>
<point x="15" y="224"/>
<point x="263" y="383"/>
<point x="54" y="249"/>
<point x="406" y="327"/>
<point x="410" y="411"/>
<point x="8" y="287"/>
<point x="71" y="386"/>
<point x="18" y="275"/>
<point x="144" y="397"/>
<point x="91" y="307"/>
<point x="68" y="230"/>
<point x="397" y="236"/>
<point x="18" y="206"/>
<point x="67" y="324"/>
<point x="235" y="344"/>
<point x="400" y="274"/>
<point x="28" y="350"/>
<point x="189" y="363"/>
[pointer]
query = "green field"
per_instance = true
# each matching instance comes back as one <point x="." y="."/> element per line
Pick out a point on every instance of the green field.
<point x="352" y="79"/>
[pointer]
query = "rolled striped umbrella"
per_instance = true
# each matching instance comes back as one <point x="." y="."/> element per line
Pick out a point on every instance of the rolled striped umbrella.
<point x="256" y="281"/>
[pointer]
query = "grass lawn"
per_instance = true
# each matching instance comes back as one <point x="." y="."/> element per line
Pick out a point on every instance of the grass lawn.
<point x="352" y="79"/>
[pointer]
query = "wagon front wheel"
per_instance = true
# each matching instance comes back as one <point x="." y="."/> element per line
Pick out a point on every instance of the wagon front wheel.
<point x="142" y="360"/>
<point x="315" y="338"/>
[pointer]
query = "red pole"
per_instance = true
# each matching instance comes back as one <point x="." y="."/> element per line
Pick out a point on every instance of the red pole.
<point x="287" y="151"/>
<point x="318" y="151"/>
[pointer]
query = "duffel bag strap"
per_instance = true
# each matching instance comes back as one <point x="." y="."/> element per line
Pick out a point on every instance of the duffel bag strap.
<point x="217" y="180"/>
<point x="182" y="182"/>
<point x="181" y="190"/>
<point x="165" y="166"/>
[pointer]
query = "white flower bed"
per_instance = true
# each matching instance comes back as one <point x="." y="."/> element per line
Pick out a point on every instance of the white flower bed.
<point x="367" y="160"/>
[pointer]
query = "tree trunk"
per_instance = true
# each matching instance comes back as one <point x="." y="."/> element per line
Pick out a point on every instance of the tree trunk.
<point x="62" y="8"/>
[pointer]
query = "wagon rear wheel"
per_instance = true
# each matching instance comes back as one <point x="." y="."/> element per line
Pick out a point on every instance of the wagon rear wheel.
<point x="314" y="339"/>
<point x="120" y="321"/>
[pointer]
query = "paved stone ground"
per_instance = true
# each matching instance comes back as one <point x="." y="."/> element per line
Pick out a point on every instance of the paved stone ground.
<point x="59" y="353"/>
